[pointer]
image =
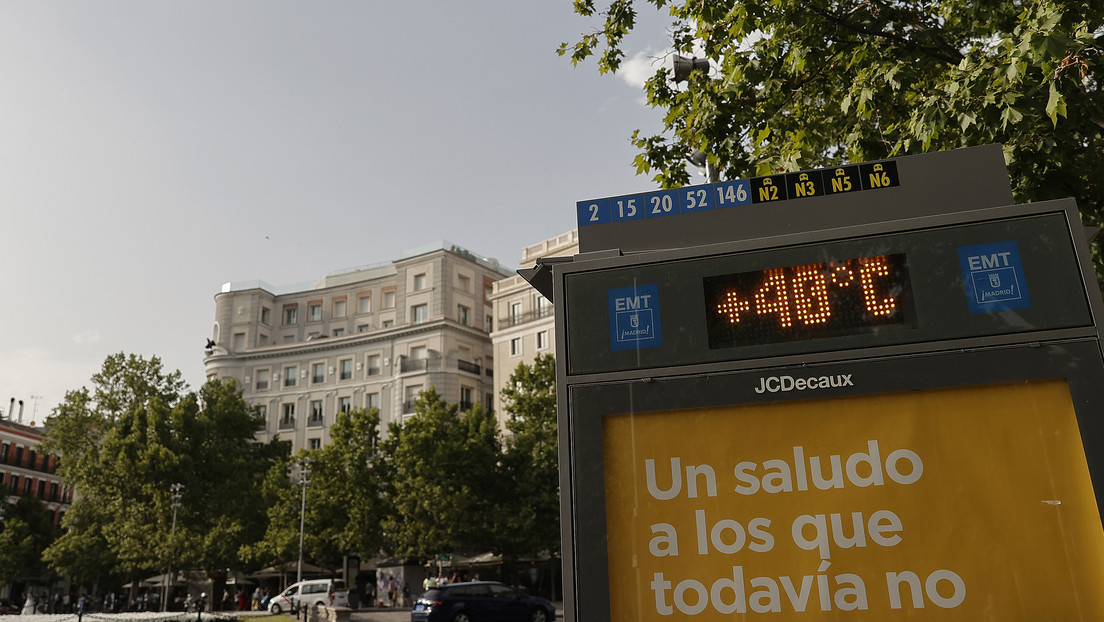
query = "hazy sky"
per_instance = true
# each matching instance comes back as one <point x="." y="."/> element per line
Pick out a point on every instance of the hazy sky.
<point x="152" y="151"/>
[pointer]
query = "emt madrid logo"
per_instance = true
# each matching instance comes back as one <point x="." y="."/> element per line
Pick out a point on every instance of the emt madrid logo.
<point x="634" y="317"/>
<point x="994" y="277"/>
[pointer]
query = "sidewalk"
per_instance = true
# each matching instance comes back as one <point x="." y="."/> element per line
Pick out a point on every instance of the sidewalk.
<point x="402" y="614"/>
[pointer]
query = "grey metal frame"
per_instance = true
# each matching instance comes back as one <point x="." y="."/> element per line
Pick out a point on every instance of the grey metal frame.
<point x="1071" y="353"/>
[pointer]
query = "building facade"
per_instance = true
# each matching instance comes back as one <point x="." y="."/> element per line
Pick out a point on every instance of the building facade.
<point x="369" y="337"/>
<point x="28" y="472"/>
<point x="524" y="326"/>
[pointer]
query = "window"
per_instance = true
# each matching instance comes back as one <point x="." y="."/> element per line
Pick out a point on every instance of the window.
<point x="291" y="314"/>
<point x="291" y="375"/>
<point x="262" y="379"/>
<point x="344" y="404"/>
<point x="346" y="368"/>
<point x="315" y="413"/>
<point x="544" y="308"/>
<point x="388" y="323"/>
<point x="262" y="411"/>
<point x="462" y="314"/>
<point x="488" y="323"/>
<point x="542" y="340"/>
<point x="372" y="401"/>
<point x="314" y="443"/>
<point x="411" y="392"/>
<point x="238" y="342"/>
<point x="339" y="307"/>
<point x="515" y="313"/>
<point x="287" y="419"/>
<point x="418" y="353"/>
<point x="463" y="282"/>
<point x="420" y="313"/>
<point x="373" y="364"/>
<point x="314" y="312"/>
<point x="318" y="373"/>
<point x="13" y="483"/>
<point x="466" y="398"/>
<point x="419" y="281"/>
<point x="389" y="299"/>
<point x="363" y="328"/>
<point x="515" y="346"/>
<point x="338" y="332"/>
<point x="364" y="302"/>
<point x="266" y="315"/>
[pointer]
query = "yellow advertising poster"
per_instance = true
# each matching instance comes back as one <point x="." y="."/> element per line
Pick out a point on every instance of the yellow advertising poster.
<point x="953" y="504"/>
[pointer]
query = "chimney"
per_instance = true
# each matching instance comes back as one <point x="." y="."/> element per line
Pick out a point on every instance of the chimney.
<point x="11" y="410"/>
<point x="20" y="411"/>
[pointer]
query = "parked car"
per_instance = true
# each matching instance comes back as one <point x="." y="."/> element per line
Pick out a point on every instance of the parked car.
<point x="329" y="592"/>
<point x="480" y="601"/>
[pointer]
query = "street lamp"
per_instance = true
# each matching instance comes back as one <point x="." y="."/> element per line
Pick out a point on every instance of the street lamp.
<point x="304" y="465"/>
<point x="177" y="493"/>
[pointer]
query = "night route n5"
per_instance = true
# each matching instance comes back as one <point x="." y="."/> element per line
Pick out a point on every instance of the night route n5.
<point x="811" y="301"/>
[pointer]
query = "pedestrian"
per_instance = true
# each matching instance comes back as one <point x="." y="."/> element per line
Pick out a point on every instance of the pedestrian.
<point x="29" y="604"/>
<point x="406" y="594"/>
<point x="255" y="605"/>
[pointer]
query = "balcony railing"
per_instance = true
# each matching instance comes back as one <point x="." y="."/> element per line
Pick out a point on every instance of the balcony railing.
<point x="287" y="424"/>
<point x="409" y="364"/>
<point x="468" y="366"/>
<point x="517" y="319"/>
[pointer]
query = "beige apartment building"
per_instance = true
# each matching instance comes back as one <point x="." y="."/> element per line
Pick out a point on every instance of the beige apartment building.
<point x="368" y="337"/>
<point x="524" y="325"/>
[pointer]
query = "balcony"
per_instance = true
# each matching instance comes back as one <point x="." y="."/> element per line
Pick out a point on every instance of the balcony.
<point x="468" y="366"/>
<point x="287" y="423"/>
<point x="518" y="319"/>
<point x="408" y="364"/>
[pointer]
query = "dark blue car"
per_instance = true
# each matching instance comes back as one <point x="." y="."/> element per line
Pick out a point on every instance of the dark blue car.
<point x="480" y="601"/>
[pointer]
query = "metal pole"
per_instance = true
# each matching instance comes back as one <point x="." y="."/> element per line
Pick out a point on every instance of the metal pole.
<point x="304" y="481"/>
<point x="302" y="521"/>
<point x="167" y="588"/>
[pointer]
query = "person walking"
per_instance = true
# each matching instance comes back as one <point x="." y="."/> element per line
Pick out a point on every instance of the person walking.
<point x="29" y="604"/>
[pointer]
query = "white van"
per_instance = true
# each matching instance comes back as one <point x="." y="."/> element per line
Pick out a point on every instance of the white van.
<point x="329" y="592"/>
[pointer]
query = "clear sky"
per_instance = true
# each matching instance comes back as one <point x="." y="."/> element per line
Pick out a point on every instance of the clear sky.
<point x="152" y="151"/>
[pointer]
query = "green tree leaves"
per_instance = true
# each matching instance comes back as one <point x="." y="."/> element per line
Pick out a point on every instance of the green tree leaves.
<point x="445" y="471"/>
<point x="125" y="442"/>
<point x="441" y="482"/>
<point x="532" y="522"/>
<point x="798" y="84"/>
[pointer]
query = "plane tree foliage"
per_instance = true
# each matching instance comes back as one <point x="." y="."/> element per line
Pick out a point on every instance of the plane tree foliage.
<point x="125" y="442"/>
<point x="444" y="479"/>
<point x="26" y="528"/>
<point x="345" y="504"/>
<point x="798" y="84"/>
<point x="346" y="497"/>
<point x="531" y="460"/>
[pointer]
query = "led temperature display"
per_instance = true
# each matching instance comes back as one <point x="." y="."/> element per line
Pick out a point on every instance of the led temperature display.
<point x="812" y="301"/>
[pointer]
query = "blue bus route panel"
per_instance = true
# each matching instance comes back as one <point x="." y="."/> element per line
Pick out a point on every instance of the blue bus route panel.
<point x="767" y="189"/>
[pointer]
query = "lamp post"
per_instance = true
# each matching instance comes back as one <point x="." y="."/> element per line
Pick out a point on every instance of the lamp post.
<point x="177" y="493"/>
<point x="304" y="465"/>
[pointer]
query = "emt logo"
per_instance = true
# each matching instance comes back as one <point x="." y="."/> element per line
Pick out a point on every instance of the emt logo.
<point x="634" y="317"/>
